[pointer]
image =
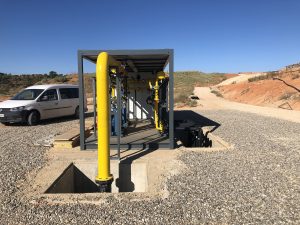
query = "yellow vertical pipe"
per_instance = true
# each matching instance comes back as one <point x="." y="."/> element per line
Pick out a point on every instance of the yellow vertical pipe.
<point x="103" y="106"/>
<point x="158" y="124"/>
<point x="156" y="101"/>
<point x="113" y="94"/>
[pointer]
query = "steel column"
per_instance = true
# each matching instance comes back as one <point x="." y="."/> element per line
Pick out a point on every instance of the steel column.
<point x="171" y="98"/>
<point x="94" y="105"/>
<point x="119" y="114"/>
<point x="81" y="101"/>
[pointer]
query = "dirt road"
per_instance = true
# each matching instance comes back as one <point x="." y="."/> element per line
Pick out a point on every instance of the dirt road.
<point x="209" y="101"/>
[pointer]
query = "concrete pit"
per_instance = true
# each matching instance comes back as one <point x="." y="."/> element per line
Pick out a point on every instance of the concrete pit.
<point x="80" y="178"/>
<point x="72" y="180"/>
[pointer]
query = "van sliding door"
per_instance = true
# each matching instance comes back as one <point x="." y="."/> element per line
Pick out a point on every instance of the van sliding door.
<point x="69" y="100"/>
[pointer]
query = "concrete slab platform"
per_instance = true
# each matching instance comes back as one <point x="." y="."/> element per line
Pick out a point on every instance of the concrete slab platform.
<point x="140" y="174"/>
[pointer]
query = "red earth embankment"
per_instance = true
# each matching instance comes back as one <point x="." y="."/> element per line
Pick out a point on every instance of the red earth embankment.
<point x="283" y="93"/>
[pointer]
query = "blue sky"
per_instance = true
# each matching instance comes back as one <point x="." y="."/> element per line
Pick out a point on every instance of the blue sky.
<point x="37" y="36"/>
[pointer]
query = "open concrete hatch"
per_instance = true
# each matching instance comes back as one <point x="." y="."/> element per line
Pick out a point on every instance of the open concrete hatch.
<point x="72" y="180"/>
<point x="79" y="178"/>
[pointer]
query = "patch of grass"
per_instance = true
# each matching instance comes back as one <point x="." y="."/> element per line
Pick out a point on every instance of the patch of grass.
<point x="183" y="98"/>
<point x="268" y="76"/>
<point x="186" y="81"/>
<point x="245" y="91"/>
<point x="217" y="93"/>
<point x="192" y="103"/>
<point x="295" y="76"/>
<point x="61" y="79"/>
<point x="296" y="97"/>
<point x="285" y="96"/>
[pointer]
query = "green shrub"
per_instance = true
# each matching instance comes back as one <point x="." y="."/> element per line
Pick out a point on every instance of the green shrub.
<point x="285" y="96"/>
<point x="245" y="91"/>
<point x="268" y="76"/>
<point x="186" y="81"/>
<point x="192" y="103"/>
<point x="181" y="98"/>
<point x="217" y="93"/>
<point x="61" y="79"/>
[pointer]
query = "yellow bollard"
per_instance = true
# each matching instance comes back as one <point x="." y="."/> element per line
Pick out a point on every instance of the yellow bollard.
<point x="104" y="179"/>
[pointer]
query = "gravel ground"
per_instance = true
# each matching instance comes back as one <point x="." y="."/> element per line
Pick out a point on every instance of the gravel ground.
<point x="255" y="183"/>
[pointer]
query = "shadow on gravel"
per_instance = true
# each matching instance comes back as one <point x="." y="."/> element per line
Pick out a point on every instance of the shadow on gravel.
<point x="57" y="120"/>
<point x="195" y="118"/>
<point x="53" y="121"/>
<point x="189" y="129"/>
<point x="46" y="122"/>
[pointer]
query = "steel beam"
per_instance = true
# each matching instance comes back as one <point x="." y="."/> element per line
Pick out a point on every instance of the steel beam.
<point x="171" y="99"/>
<point x="81" y="101"/>
<point x="127" y="52"/>
<point x="119" y="114"/>
<point x="94" y="106"/>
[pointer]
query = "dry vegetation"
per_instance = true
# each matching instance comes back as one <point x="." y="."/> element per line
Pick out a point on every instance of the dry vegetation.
<point x="186" y="81"/>
<point x="217" y="93"/>
<point x="12" y="84"/>
<point x="268" y="76"/>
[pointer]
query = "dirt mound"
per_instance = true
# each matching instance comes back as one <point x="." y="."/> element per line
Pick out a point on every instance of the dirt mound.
<point x="283" y="91"/>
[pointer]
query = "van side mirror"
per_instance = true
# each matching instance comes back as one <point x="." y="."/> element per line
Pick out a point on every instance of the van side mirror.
<point x="44" y="98"/>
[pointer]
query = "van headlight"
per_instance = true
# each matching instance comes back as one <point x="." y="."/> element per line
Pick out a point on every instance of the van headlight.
<point x="17" y="109"/>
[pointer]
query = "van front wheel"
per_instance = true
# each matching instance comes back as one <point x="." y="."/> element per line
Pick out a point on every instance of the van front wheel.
<point x="33" y="118"/>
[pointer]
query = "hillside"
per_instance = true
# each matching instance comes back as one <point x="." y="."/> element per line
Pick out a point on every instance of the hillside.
<point x="279" y="89"/>
<point x="12" y="84"/>
<point x="185" y="81"/>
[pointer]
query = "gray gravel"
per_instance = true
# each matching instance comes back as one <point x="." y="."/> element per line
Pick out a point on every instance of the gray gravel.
<point x="256" y="183"/>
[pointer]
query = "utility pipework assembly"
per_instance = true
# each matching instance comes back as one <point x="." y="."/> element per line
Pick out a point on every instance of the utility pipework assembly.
<point x="158" y="122"/>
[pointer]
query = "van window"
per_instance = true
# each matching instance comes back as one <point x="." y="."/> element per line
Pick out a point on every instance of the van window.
<point x="28" y="94"/>
<point x="67" y="93"/>
<point x="50" y="95"/>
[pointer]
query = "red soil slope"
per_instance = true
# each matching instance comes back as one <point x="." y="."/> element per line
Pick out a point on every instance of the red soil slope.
<point x="271" y="93"/>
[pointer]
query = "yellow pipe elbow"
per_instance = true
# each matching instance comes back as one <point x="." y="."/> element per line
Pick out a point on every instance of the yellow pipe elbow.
<point x="103" y="107"/>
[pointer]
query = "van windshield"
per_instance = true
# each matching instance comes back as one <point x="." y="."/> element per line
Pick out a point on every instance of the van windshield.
<point x="28" y="94"/>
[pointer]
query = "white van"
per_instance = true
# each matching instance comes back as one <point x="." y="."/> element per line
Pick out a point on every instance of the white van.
<point x="40" y="102"/>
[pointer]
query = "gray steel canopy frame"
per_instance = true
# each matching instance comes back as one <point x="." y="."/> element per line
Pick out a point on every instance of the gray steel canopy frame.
<point x="149" y="60"/>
